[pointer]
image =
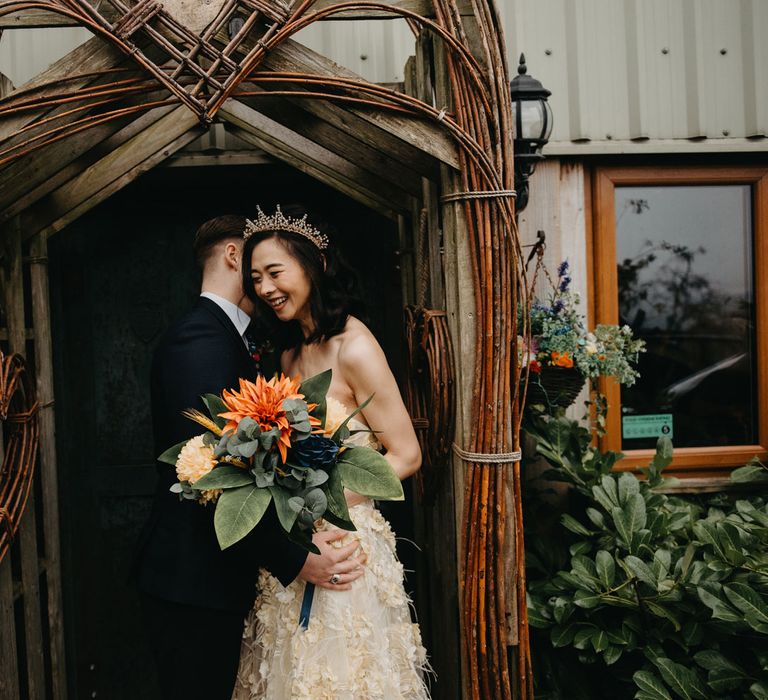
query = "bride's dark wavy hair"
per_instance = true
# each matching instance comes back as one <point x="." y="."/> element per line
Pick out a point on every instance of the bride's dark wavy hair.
<point x="333" y="295"/>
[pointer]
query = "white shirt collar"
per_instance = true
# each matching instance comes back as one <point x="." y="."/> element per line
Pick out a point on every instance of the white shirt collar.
<point x="239" y="318"/>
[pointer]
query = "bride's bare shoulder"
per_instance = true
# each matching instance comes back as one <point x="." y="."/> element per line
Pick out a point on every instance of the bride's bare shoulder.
<point x="357" y="344"/>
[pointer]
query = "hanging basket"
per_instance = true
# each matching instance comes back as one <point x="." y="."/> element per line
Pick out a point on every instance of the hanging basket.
<point x="554" y="387"/>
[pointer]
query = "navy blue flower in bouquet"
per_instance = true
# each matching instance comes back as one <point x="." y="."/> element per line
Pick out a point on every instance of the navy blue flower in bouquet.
<point x="316" y="451"/>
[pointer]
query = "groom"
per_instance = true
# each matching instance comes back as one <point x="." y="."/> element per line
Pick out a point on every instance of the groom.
<point x="195" y="596"/>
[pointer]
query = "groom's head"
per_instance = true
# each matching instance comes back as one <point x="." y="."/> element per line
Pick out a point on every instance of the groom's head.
<point x="217" y="249"/>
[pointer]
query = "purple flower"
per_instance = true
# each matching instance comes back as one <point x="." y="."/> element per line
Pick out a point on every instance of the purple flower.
<point x="558" y="306"/>
<point x="562" y="269"/>
<point x="564" y="282"/>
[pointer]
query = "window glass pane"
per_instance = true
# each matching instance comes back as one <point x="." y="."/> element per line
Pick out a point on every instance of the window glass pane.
<point x="685" y="279"/>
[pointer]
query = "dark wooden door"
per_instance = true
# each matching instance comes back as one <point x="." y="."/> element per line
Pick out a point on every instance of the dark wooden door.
<point x="119" y="276"/>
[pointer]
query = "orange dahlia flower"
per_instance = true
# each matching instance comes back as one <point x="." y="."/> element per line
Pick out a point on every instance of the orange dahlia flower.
<point x="562" y="359"/>
<point x="263" y="401"/>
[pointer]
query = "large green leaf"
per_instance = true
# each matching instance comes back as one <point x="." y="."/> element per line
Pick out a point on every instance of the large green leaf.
<point x="562" y="635"/>
<point x="606" y="568"/>
<point x="226" y="476"/>
<point x="570" y="523"/>
<point x="366" y="472"/>
<point x="640" y="570"/>
<point x="238" y="511"/>
<point x="215" y="406"/>
<point x="750" y="603"/>
<point x="759" y="690"/>
<point x="754" y="471"/>
<point x="651" y="685"/>
<point x="338" y="512"/>
<point x="709" y="595"/>
<point x="171" y="455"/>
<point x="285" y="514"/>
<point x="315" y="390"/>
<point x="683" y="681"/>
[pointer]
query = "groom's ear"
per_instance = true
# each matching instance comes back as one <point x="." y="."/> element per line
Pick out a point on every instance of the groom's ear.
<point x="232" y="252"/>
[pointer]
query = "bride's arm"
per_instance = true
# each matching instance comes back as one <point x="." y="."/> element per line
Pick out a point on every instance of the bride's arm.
<point x="364" y="367"/>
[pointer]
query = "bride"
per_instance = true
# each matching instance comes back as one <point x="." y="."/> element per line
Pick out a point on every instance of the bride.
<point x="360" y="644"/>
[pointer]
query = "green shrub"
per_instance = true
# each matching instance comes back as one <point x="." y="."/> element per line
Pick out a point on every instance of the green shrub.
<point x="635" y="593"/>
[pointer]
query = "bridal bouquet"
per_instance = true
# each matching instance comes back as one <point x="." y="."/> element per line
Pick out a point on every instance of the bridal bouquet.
<point x="268" y="442"/>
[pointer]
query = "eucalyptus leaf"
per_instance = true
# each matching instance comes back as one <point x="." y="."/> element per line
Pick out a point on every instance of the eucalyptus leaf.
<point x="286" y="513"/>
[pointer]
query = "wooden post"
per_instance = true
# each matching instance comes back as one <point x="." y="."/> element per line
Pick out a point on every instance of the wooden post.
<point x="48" y="474"/>
<point x="12" y="290"/>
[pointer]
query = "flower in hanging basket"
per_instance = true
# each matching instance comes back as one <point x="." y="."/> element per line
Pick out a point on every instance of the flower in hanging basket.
<point x="558" y="342"/>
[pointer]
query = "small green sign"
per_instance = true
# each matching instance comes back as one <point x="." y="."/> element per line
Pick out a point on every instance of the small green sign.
<point x="649" y="426"/>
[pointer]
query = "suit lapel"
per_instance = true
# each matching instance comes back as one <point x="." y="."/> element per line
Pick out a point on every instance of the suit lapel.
<point x="220" y="315"/>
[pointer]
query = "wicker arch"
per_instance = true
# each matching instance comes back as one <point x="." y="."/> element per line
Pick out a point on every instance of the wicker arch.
<point x="18" y="413"/>
<point x="202" y="69"/>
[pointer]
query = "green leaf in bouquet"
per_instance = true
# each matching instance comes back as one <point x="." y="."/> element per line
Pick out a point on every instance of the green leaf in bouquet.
<point x="316" y="503"/>
<point x="286" y="514"/>
<point x="339" y="522"/>
<point x="366" y="472"/>
<point x="222" y="447"/>
<point x="238" y="511"/>
<point x="262" y="479"/>
<point x="296" y="504"/>
<point x="269" y="438"/>
<point x="171" y="455"/>
<point x="337" y="503"/>
<point x="215" y="406"/>
<point x="225" y="476"/>
<point x="315" y="390"/>
<point x="316" y="477"/>
<point x="339" y="434"/>
<point x="248" y="449"/>
<point x="303" y="538"/>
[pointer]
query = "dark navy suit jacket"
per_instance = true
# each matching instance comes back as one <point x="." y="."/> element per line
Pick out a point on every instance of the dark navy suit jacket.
<point x="180" y="559"/>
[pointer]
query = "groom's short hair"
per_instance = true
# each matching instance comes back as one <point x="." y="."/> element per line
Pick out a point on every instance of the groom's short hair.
<point x="212" y="232"/>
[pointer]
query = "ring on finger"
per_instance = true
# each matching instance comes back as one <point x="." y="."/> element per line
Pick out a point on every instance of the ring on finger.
<point x="335" y="579"/>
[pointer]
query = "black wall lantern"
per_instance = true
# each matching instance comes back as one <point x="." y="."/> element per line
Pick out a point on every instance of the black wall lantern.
<point x="532" y="117"/>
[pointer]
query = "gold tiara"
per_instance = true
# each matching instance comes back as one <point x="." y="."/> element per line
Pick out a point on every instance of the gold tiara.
<point x="279" y="222"/>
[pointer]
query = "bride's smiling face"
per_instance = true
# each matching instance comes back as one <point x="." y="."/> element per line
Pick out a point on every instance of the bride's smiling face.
<point x="281" y="282"/>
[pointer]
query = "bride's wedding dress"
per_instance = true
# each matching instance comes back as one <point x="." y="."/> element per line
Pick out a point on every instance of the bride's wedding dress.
<point x="360" y="644"/>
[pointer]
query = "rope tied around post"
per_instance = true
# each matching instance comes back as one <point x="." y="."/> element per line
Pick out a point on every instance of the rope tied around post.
<point x="485" y="458"/>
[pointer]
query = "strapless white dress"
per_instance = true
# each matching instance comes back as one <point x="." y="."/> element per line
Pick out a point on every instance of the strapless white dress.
<point x="360" y="644"/>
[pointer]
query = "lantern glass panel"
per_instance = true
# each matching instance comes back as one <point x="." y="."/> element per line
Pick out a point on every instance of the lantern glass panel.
<point x="536" y="118"/>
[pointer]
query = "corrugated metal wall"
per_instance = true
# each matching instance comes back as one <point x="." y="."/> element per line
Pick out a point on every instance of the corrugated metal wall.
<point x="26" y="52"/>
<point x="625" y="75"/>
<point x="647" y="70"/>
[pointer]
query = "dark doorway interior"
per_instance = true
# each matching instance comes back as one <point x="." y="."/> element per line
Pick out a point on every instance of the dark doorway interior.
<point x="119" y="276"/>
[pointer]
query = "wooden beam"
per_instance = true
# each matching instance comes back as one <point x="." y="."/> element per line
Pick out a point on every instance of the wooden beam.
<point x="425" y="137"/>
<point x="29" y="179"/>
<point x="316" y="161"/>
<point x="341" y="142"/>
<point x="112" y="172"/>
<point x="48" y="474"/>
<point x="94" y="55"/>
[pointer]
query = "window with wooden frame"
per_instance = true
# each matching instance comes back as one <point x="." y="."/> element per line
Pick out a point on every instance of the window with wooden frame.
<point x="680" y="254"/>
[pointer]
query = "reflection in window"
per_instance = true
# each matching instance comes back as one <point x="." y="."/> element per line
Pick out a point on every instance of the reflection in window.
<point x="685" y="281"/>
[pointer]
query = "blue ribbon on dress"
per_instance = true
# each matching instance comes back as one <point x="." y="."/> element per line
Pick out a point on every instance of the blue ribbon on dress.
<point x="306" y="605"/>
